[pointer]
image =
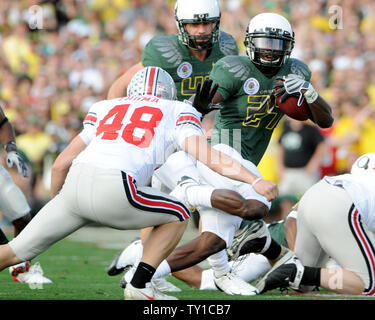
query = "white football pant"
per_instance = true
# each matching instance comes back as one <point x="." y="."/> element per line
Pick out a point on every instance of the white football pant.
<point x="13" y="203"/>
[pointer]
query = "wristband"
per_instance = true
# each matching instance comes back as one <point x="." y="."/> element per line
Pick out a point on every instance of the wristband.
<point x="311" y="95"/>
<point x="11" y="146"/>
<point x="256" y="181"/>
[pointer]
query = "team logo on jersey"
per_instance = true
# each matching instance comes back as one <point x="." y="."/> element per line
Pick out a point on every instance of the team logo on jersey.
<point x="184" y="70"/>
<point x="251" y="86"/>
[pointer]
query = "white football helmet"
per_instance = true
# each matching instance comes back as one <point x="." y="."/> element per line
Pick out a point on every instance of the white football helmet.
<point x="197" y="11"/>
<point x="365" y="164"/>
<point x="269" y="39"/>
<point x="152" y="81"/>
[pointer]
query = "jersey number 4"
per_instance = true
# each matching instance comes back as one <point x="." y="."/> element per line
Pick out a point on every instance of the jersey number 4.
<point x="140" y="129"/>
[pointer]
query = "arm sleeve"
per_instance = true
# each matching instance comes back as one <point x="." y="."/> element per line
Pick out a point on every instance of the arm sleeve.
<point x="87" y="134"/>
<point x="188" y="124"/>
<point x="89" y="125"/>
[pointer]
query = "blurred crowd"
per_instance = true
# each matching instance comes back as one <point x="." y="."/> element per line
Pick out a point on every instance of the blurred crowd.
<point x="55" y="65"/>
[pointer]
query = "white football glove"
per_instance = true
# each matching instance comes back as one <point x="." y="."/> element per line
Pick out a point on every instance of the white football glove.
<point x="293" y="85"/>
<point x="13" y="158"/>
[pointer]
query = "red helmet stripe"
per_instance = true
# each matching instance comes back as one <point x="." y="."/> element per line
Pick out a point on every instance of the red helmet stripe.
<point x="152" y="81"/>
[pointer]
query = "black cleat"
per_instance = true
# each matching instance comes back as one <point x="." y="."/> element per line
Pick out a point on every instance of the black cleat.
<point x="112" y="269"/>
<point x="254" y="238"/>
<point x="287" y="272"/>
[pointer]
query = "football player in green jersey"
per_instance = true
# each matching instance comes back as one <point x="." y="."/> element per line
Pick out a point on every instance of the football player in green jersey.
<point x="249" y="111"/>
<point x="189" y="56"/>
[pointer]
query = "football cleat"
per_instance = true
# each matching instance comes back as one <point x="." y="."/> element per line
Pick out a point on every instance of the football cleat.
<point x="287" y="272"/>
<point x="160" y="283"/>
<point x="33" y="274"/>
<point x="253" y="238"/>
<point x="128" y="276"/>
<point x="148" y="293"/>
<point x="163" y="285"/>
<point x="233" y="285"/>
<point x="125" y="258"/>
<point x="22" y="267"/>
<point x="179" y="191"/>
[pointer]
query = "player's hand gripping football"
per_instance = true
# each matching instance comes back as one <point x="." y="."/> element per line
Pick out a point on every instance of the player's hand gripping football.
<point x="294" y="85"/>
<point x="202" y="100"/>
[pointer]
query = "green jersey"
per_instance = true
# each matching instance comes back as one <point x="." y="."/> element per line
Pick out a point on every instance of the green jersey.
<point x="277" y="232"/>
<point x="168" y="53"/>
<point x="250" y="113"/>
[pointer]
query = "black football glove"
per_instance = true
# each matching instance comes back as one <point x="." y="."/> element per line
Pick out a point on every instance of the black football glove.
<point x="202" y="101"/>
<point x="291" y="85"/>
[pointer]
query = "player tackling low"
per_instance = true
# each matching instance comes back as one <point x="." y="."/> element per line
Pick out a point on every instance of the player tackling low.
<point x="336" y="218"/>
<point x="122" y="143"/>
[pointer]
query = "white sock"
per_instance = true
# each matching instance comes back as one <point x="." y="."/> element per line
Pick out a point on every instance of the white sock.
<point x="163" y="270"/>
<point x="199" y="195"/>
<point x="207" y="281"/>
<point x="219" y="263"/>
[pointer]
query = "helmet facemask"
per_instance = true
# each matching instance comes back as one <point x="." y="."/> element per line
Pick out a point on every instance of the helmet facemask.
<point x="270" y="48"/>
<point x="198" y="42"/>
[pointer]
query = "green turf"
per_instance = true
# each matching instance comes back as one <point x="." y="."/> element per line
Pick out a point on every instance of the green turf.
<point x="78" y="272"/>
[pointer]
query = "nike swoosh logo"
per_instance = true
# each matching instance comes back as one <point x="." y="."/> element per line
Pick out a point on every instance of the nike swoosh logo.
<point x="147" y="296"/>
<point x="244" y="234"/>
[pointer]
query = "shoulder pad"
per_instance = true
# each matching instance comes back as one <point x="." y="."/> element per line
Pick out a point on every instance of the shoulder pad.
<point x="227" y="44"/>
<point x="237" y="66"/>
<point x="299" y="68"/>
<point x="168" y="48"/>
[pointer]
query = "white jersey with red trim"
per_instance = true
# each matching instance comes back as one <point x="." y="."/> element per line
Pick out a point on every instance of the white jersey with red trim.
<point x="361" y="190"/>
<point x="136" y="134"/>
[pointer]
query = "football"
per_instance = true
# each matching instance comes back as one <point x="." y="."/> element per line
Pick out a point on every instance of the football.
<point x="290" y="108"/>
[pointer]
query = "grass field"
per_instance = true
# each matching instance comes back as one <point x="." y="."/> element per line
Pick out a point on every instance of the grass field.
<point x="78" y="272"/>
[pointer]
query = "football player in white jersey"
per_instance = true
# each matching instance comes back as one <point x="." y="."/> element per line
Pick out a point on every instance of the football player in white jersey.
<point x="122" y="143"/>
<point x="13" y="203"/>
<point x="336" y="218"/>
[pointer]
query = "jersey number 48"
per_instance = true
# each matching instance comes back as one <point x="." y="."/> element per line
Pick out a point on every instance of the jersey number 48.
<point x="139" y="131"/>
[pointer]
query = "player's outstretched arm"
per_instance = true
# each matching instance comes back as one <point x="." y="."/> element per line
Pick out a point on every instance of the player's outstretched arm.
<point x="198" y="147"/>
<point x="63" y="162"/>
<point x="118" y="88"/>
